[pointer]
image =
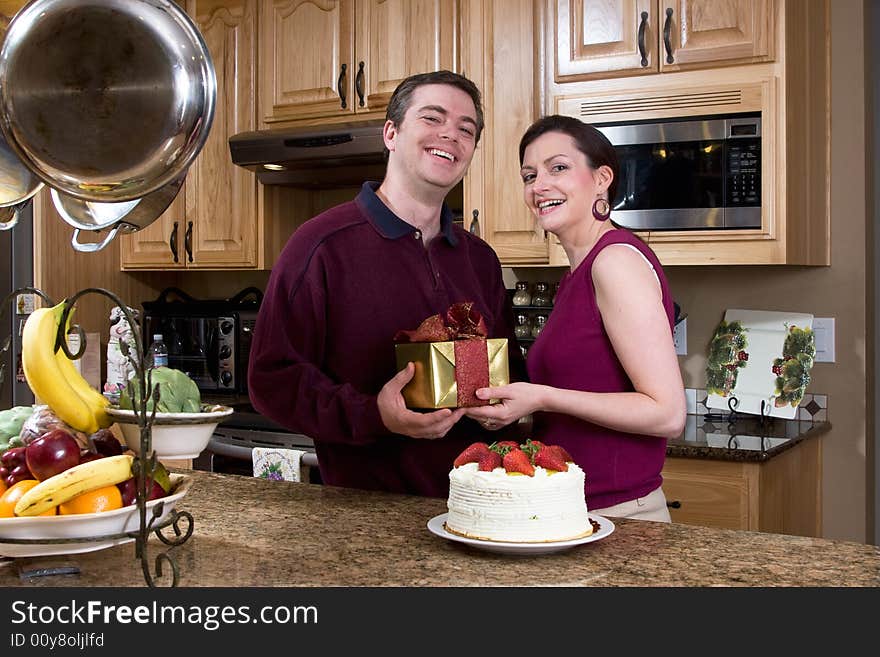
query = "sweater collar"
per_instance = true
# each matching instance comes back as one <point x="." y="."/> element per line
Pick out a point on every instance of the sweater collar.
<point x="389" y="224"/>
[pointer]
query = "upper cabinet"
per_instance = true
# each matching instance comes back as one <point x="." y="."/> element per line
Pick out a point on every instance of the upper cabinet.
<point x="213" y="221"/>
<point x="338" y="58"/>
<point x="608" y="38"/>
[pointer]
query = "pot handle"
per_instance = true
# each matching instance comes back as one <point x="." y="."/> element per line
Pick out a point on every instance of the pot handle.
<point x="9" y="225"/>
<point x="18" y="207"/>
<point x="91" y="247"/>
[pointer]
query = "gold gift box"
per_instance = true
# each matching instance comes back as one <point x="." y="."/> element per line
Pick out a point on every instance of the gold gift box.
<point x="433" y="385"/>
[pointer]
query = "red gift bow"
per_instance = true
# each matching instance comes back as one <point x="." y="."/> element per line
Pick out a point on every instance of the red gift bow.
<point x="465" y="325"/>
<point x="462" y="322"/>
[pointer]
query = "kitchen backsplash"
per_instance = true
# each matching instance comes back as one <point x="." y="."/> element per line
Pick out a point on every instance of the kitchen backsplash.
<point x="813" y="407"/>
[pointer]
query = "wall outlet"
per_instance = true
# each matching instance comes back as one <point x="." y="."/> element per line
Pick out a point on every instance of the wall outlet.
<point x="680" y="337"/>
<point x="823" y="334"/>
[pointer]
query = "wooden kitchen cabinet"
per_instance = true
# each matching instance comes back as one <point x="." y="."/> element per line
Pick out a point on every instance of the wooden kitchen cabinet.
<point x="781" y="495"/>
<point x="596" y="39"/>
<point x="339" y="58"/>
<point x="213" y="222"/>
<point x="8" y="9"/>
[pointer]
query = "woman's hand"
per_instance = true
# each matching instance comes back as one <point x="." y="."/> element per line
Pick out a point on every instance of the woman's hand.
<point x="517" y="400"/>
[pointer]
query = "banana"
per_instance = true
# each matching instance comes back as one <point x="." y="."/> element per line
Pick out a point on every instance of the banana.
<point x="74" y="481"/>
<point x="96" y="402"/>
<point x="43" y="374"/>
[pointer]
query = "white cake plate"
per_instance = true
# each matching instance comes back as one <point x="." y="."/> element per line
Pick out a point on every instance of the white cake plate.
<point x="437" y="526"/>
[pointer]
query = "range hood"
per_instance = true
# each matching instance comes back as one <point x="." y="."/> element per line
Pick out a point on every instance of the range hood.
<point x="341" y="155"/>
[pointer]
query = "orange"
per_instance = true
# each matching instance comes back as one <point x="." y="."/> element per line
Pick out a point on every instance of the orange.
<point x="13" y="494"/>
<point x="107" y="498"/>
<point x="2" y="486"/>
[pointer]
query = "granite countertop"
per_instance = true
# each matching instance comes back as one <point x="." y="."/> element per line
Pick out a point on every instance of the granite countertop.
<point x="745" y="439"/>
<point x="254" y="532"/>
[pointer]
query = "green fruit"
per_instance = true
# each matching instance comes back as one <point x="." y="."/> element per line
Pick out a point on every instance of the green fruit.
<point x="162" y="477"/>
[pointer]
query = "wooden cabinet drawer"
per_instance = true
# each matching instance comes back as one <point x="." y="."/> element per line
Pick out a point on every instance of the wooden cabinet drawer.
<point x="710" y="493"/>
<point x="710" y="502"/>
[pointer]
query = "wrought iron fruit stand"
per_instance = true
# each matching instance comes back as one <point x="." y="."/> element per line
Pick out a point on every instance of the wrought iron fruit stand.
<point x="144" y="464"/>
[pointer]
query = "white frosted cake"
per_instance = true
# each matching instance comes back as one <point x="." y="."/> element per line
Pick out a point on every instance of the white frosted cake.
<point x="506" y="503"/>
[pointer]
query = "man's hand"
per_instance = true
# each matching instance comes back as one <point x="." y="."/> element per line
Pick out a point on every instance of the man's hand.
<point x="399" y="419"/>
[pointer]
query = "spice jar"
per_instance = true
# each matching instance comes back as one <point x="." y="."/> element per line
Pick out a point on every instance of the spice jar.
<point x="540" y="320"/>
<point x="524" y="349"/>
<point x="542" y="296"/>
<point x="522" y="296"/>
<point x="555" y="292"/>
<point x="522" y="328"/>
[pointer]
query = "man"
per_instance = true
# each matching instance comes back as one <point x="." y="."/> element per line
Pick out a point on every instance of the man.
<point x="322" y="360"/>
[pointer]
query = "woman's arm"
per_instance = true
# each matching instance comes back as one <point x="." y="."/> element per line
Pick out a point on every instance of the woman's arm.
<point x="629" y="299"/>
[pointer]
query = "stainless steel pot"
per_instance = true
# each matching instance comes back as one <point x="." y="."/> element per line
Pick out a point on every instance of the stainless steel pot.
<point x="125" y="216"/>
<point x="105" y="100"/>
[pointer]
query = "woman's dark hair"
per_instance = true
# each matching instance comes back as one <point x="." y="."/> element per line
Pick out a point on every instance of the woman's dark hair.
<point x="402" y="96"/>
<point x="589" y="141"/>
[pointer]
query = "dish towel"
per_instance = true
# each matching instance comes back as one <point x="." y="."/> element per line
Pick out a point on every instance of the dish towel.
<point x="277" y="464"/>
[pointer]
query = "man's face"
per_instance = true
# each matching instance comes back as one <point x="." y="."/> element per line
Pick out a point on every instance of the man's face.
<point x="436" y="139"/>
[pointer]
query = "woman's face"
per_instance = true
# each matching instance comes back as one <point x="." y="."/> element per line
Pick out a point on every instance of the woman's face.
<point x="559" y="185"/>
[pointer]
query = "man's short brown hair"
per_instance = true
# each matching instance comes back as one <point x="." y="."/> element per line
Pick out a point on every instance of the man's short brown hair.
<point x="400" y="99"/>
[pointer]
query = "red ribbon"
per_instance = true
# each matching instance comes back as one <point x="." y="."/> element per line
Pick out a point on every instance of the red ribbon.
<point x="465" y="325"/>
<point x="462" y="322"/>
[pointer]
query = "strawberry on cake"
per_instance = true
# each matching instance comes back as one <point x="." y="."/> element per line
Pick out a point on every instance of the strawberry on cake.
<point x="530" y="493"/>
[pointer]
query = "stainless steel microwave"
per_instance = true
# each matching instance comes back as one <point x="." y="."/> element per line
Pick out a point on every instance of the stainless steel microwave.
<point x="688" y="174"/>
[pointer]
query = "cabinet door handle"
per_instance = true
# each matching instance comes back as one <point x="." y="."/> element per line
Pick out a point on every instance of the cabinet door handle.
<point x="172" y="242"/>
<point x="359" y="84"/>
<point x="340" y="86"/>
<point x="667" y="29"/>
<point x="188" y="240"/>
<point x="475" y="224"/>
<point x="642" y="26"/>
<point x="674" y="504"/>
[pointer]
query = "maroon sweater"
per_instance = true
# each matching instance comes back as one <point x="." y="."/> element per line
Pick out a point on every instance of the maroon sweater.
<point x="345" y="283"/>
<point x="573" y="351"/>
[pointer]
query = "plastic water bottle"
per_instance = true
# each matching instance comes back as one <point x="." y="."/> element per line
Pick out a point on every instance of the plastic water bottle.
<point x="157" y="355"/>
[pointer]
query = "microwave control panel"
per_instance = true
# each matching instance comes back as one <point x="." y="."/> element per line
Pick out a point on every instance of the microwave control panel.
<point x="226" y="351"/>
<point x="743" y="173"/>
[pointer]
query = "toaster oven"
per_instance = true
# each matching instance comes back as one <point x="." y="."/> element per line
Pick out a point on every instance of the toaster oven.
<point x="208" y="339"/>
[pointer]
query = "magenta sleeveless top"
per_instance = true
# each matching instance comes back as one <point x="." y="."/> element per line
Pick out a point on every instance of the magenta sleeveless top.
<point x="573" y="351"/>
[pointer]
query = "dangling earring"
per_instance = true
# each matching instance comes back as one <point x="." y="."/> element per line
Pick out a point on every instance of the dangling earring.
<point x="601" y="209"/>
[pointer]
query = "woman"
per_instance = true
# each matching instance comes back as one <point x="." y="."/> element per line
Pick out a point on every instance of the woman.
<point x="605" y="382"/>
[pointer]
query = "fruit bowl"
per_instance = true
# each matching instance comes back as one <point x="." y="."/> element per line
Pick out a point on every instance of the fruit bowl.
<point x="84" y="526"/>
<point x="174" y="435"/>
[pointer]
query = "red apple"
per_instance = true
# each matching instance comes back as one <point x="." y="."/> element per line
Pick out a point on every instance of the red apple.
<point x="18" y="473"/>
<point x="14" y="468"/>
<point x="12" y="457"/>
<point x="52" y="453"/>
